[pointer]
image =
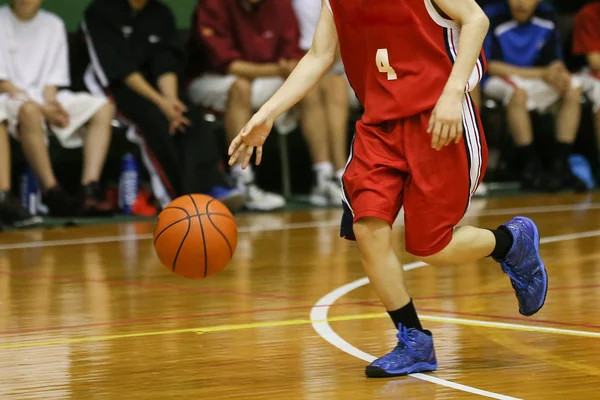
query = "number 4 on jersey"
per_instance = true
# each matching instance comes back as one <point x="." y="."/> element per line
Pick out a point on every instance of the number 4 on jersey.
<point x="383" y="63"/>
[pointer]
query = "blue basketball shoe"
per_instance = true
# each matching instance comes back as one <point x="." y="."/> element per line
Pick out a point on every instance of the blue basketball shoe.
<point x="525" y="267"/>
<point x="414" y="353"/>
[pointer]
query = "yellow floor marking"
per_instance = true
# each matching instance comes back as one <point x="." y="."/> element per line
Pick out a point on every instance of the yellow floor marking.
<point x="293" y="322"/>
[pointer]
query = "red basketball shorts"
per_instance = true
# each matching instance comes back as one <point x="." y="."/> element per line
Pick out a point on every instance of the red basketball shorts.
<point x="392" y="165"/>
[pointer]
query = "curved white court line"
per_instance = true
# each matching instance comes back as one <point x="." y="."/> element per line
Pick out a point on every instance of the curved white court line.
<point x="319" y="315"/>
<point x="320" y="311"/>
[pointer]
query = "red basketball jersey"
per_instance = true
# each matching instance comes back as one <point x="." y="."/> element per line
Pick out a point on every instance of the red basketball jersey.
<point x="398" y="55"/>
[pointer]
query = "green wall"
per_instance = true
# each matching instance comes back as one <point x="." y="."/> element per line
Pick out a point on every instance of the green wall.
<point x="72" y="10"/>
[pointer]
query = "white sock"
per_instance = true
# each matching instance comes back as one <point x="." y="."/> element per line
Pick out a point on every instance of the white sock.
<point x="324" y="171"/>
<point x="245" y="175"/>
<point x="338" y="175"/>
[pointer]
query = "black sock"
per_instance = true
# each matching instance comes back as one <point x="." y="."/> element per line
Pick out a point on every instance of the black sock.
<point x="407" y="316"/>
<point x="504" y="241"/>
<point x="527" y="154"/>
<point x="562" y="151"/>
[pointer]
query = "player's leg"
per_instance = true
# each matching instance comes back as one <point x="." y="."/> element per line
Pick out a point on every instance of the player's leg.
<point x="372" y="192"/>
<point x="381" y="263"/>
<point x="435" y="202"/>
<point x="513" y="94"/>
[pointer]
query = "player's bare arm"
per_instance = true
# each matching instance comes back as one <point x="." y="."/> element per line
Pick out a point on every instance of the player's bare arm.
<point x="305" y="76"/>
<point x="445" y="125"/>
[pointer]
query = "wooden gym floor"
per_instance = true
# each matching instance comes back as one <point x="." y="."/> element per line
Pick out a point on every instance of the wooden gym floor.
<point x="88" y="313"/>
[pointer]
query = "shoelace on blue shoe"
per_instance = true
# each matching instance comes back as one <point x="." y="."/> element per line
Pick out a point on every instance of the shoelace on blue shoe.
<point x="399" y="354"/>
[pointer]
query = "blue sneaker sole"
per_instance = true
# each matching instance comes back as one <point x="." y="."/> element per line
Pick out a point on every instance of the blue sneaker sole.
<point x="378" y="372"/>
<point x="536" y="240"/>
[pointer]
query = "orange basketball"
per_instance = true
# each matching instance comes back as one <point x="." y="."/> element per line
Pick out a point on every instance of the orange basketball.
<point x="195" y="236"/>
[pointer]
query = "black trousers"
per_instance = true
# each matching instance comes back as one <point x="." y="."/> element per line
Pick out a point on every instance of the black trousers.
<point x="187" y="162"/>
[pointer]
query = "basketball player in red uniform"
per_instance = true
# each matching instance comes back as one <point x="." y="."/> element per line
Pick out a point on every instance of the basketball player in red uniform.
<point x="419" y="146"/>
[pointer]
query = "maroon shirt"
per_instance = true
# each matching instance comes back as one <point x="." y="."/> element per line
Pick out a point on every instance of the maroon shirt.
<point x="226" y="30"/>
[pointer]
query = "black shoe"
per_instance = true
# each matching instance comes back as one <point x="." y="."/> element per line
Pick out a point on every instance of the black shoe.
<point x="60" y="203"/>
<point x="93" y="201"/>
<point x="13" y="214"/>
<point x="562" y="178"/>
<point x="532" y="178"/>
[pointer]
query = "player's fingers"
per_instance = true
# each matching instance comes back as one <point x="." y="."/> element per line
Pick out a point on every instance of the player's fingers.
<point x="241" y="153"/>
<point x="259" y="153"/>
<point x="451" y="135"/>
<point x="443" y="135"/>
<point x="435" y="135"/>
<point x="234" y="145"/>
<point x="459" y="132"/>
<point x="235" y="154"/>
<point x="431" y="123"/>
<point x="247" y="156"/>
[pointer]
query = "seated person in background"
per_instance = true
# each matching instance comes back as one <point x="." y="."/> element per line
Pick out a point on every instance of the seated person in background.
<point x="132" y="56"/>
<point x="526" y="73"/>
<point x="12" y="212"/>
<point x="241" y="52"/>
<point x="34" y="67"/>
<point x="328" y="108"/>
<point x="586" y="41"/>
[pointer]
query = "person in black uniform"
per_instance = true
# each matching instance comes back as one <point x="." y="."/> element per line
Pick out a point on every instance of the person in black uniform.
<point x="132" y="57"/>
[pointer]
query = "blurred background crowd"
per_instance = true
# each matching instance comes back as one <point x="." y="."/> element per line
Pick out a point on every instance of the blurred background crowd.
<point x="113" y="107"/>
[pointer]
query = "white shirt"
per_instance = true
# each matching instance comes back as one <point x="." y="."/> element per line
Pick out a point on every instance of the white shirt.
<point x="307" y="12"/>
<point x="33" y="54"/>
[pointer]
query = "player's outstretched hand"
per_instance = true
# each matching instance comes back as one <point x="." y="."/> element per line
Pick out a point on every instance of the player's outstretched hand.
<point x="252" y="137"/>
<point x="446" y="123"/>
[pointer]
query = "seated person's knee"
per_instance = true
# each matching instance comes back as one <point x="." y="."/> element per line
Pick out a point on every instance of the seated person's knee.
<point x="519" y="98"/>
<point x="108" y="110"/>
<point x="241" y="90"/>
<point x="30" y="114"/>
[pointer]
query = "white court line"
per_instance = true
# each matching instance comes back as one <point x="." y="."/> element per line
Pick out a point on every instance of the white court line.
<point x="320" y="311"/>
<point x="283" y="227"/>
<point x="514" y="327"/>
<point x="319" y="315"/>
<point x="539" y="209"/>
<point x="148" y="236"/>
